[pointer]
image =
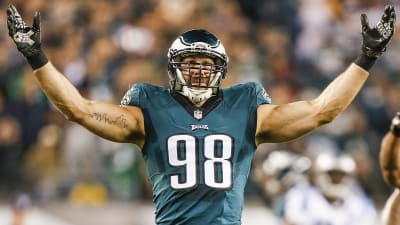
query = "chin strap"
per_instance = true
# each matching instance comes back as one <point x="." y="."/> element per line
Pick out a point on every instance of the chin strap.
<point x="196" y="96"/>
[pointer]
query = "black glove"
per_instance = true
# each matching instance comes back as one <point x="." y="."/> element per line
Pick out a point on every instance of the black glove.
<point x="375" y="40"/>
<point x="395" y="126"/>
<point x="27" y="39"/>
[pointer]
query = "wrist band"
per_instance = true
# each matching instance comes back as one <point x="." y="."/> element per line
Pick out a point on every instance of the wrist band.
<point x="365" y="62"/>
<point x="37" y="60"/>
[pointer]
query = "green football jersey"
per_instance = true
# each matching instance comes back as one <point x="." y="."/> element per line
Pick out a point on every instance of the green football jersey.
<point x="198" y="159"/>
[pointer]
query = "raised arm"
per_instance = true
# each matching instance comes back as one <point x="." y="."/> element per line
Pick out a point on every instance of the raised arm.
<point x="389" y="155"/>
<point x="113" y="122"/>
<point x="279" y="123"/>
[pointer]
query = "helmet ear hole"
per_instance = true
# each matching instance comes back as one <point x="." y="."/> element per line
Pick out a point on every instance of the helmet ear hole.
<point x="218" y="61"/>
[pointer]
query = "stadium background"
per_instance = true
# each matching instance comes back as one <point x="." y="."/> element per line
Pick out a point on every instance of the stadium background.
<point x="294" y="48"/>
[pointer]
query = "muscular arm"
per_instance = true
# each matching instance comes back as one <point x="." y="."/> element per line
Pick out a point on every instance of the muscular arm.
<point x="279" y="123"/>
<point x="389" y="159"/>
<point x="113" y="122"/>
<point x="285" y="122"/>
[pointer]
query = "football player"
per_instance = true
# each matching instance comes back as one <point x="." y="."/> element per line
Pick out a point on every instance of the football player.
<point x="332" y="197"/>
<point x="390" y="164"/>
<point x="278" y="171"/>
<point x="198" y="139"/>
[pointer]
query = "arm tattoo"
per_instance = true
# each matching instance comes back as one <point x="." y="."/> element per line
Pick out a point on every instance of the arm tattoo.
<point x="103" y="117"/>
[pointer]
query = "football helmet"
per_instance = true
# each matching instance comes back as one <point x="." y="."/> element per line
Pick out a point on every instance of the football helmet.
<point x="197" y="42"/>
<point x="279" y="170"/>
<point x="334" y="174"/>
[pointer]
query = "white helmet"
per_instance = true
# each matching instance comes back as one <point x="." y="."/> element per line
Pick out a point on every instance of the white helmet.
<point x="281" y="170"/>
<point x="190" y="43"/>
<point x="327" y="166"/>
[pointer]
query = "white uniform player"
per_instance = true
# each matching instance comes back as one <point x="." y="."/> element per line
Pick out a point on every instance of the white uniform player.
<point x="331" y="198"/>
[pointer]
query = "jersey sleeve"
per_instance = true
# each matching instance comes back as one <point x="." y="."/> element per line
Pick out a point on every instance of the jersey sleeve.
<point x="261" y="94"/>
<point x="132" y="96"/>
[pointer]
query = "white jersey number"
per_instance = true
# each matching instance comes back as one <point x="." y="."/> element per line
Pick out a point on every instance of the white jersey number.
<point x="182" y="152"/>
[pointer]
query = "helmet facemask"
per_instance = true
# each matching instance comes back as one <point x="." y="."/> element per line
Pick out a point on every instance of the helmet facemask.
<point x="197" y="81"/>
<point x="335" y="175"/>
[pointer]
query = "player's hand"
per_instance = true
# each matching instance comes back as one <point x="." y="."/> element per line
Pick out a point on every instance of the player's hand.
<point x="395" y="125"/>
<point x="26" y="38"/>
<point x="376" y="39"/>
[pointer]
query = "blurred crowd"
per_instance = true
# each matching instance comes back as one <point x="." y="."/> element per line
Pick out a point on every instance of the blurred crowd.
<point x="293" y="47"/>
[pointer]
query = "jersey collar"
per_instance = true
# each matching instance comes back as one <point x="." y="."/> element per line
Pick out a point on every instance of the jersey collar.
<point x="198" y="112"/>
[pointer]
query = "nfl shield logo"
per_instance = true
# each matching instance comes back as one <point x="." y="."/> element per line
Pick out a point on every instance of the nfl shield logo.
<point x="198" y="114"/>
